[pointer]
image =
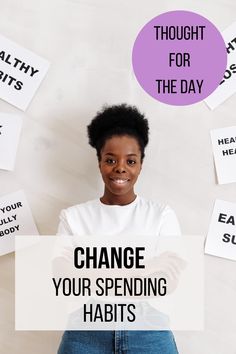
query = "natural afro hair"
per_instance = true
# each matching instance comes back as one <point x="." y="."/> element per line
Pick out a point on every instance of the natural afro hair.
<point x="118" y="120"/>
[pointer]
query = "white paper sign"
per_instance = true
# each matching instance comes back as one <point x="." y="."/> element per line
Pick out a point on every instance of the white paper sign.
<point x="10" y="128"/>
<point x="221" y="238"/>
<point x="224" y="150"/>
<point x="15" y="219"/>
<point x="228" y="84"/>
<point x="21" y="72"/>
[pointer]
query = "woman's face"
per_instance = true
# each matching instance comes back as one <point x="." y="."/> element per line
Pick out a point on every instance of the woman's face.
<point x="120" y="165"/>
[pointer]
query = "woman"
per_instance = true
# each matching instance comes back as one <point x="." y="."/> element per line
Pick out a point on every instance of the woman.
<point x="119" y="134"/>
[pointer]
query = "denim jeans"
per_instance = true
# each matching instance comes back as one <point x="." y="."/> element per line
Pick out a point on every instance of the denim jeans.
<point x="118" y="342"/>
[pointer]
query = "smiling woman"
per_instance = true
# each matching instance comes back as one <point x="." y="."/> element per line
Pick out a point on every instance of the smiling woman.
<point x="119" y="134"/>
<point x="120" y="165"/>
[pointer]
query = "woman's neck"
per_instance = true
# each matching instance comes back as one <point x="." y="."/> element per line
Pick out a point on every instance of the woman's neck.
<point x="112" y="199"/>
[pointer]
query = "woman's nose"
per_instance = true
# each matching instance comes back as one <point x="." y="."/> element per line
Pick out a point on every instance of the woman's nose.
<point x="120" y="167"/>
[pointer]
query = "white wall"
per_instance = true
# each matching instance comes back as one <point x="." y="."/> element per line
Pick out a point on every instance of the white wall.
<point x="89" y="46"/>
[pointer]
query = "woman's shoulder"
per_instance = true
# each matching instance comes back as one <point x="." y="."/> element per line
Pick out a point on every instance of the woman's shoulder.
<point x="153" y="204"/>
<point x="80" y="208"/>
<point x="169" y="224"/>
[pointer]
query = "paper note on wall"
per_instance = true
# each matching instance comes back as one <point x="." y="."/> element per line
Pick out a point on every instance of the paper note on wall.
<point x="21" y="72"/>
<point x="224" y="150"/>
<point x="221" y="237"/>
<point x="10" y="128"/>
<point x="227" y="86"/>
<point x="15" y="219"/>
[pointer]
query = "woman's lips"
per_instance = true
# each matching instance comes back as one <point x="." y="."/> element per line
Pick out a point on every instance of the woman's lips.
<point x="119" y="181"/>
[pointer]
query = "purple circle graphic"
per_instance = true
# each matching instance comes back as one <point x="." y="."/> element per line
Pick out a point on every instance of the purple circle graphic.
<point x="179" y="58"/>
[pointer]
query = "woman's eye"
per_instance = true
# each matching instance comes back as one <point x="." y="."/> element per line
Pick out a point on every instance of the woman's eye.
<point x="131" y="162"/>
<point x="110" y="161"/>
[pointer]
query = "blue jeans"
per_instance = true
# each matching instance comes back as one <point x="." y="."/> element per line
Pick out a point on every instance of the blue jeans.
<point x="117" y="342"/>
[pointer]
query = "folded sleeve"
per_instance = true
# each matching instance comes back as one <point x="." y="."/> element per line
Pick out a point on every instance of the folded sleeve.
<point x="64" y="227"/>
<point x="64" y="245"/>
<point x="169" y="223"/>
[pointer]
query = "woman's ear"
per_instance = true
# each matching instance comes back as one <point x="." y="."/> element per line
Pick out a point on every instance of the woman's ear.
<point x="141" y="166"/>
<point x="99" y="160"/>
<point x="99" y="164"/>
